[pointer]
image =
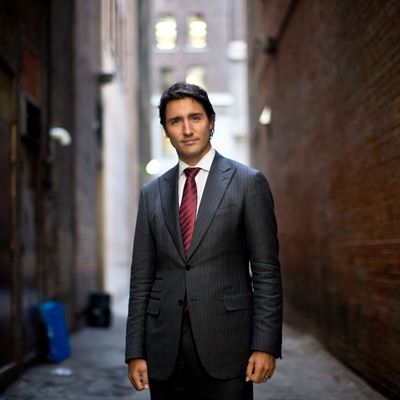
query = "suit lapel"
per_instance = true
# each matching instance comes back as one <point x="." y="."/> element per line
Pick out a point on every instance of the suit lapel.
<point x="217" y="182"/>
<point x="169" y="200"/>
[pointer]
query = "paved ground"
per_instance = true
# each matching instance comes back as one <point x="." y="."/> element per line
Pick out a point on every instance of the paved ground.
<point x="95" y="371"/>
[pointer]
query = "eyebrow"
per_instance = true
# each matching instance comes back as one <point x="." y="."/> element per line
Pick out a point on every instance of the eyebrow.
<point x="178" y="117"/>
<point x="173" y="119"/>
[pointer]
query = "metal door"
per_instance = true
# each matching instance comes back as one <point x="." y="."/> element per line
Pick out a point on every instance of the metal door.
<point x="6" y="222"/>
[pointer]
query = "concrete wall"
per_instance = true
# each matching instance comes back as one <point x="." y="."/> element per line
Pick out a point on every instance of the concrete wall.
<point x="119" y="176"/>
<point x="332" y="156"/>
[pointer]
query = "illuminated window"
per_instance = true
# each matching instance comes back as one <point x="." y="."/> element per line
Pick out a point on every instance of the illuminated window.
<point x="166" y="78"/>
<point x="197" y="76"/>
<point x="197" y="32"/>
<point x="166" y="32"/>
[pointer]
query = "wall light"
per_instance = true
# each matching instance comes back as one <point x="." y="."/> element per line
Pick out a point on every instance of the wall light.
<point x="265" y="117"/>
<point x="60" y="135"/>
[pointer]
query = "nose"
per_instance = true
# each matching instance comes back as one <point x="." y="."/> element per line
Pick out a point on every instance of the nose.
<point x="187" y="127"/>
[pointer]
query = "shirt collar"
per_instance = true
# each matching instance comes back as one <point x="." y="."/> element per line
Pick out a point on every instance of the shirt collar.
<point x="204" y="163"/>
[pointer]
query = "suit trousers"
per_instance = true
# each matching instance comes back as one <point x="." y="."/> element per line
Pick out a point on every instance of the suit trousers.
<point x="190" y="381"/>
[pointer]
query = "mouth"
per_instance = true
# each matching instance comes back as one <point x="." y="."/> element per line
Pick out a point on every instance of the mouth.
<point x="188" y="142"/>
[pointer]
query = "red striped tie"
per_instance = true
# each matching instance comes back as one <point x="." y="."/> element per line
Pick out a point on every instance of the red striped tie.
<point x="188" y="209"/>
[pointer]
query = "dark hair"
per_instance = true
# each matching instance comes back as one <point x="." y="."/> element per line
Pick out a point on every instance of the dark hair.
<point x="181" y="90"/>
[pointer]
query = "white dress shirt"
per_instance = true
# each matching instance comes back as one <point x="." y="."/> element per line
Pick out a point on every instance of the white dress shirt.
<point x="201" y="178"/>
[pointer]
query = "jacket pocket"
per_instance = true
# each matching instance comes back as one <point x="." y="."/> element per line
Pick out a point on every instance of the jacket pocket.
<point x="238" y="301"/>
<point x="157" y="285"/>
<point x="153" y="307"/>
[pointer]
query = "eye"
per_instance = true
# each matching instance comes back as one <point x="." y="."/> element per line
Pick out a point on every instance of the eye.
<point x="196" y="117"/>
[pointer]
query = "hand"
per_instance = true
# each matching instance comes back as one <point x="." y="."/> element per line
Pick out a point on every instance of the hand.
<point x="137" y="373"/>
<point x="261" y="367"/>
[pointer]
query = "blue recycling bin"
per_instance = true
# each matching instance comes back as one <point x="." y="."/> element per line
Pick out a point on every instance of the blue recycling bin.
<point x="53" y="316"/>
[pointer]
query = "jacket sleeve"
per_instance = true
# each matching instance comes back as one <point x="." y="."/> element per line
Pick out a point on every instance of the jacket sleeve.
<point x="262" y="242"/>
<point x="142" y="276"/>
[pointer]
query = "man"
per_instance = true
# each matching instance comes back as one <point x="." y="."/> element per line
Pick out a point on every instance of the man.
<point x="201" y="325"/>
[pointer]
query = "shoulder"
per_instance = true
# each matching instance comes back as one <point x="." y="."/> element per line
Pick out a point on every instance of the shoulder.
<point x="152" y="186"/>
<point x="242" y="170"/>
<point x="251" y="180"/>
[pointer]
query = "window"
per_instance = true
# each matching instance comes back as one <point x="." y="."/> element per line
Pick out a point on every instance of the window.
<point x="166" y="32"/>
<point x="197" y="76"/>
<point x="197" y="32"/>
<point x="166" y="78"/>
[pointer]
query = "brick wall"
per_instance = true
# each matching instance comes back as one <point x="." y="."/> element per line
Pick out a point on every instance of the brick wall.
<point x="332" y="156"/>
<point x="49" y="61"/>
<point x="23" y="112"/>
<point x="86" y="147"/>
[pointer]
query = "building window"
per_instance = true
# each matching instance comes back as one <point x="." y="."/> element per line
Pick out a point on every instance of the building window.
<point x="197" y="32"/>
<point x="166" y="78"/>
<point x="166" y="32"/>
<point x="197" y="76"/>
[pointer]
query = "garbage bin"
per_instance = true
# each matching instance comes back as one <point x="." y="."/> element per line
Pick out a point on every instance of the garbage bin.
<point x="99" y="310"/>
<point x="52" y="314"/>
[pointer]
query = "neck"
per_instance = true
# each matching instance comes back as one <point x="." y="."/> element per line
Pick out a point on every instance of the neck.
<point x="192" y="161"/>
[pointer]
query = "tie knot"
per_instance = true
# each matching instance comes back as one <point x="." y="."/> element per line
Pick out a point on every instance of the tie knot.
<point x="191" y="172"/>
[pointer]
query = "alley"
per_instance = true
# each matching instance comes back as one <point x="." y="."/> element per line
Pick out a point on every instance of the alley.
<point x="96" y="371"/>
<point x="307" y="92"/>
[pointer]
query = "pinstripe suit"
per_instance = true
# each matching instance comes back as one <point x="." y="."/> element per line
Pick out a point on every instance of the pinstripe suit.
<point x="231" y="313"/>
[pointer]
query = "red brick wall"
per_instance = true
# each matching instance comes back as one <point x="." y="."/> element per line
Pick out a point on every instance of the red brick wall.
<point x="332" y="155"/>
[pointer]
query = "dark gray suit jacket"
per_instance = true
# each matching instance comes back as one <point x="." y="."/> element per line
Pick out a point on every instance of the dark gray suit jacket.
<point x="232" y="311"/>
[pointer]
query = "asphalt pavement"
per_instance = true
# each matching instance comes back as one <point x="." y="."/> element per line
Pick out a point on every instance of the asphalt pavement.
<point x="96" y="371"/>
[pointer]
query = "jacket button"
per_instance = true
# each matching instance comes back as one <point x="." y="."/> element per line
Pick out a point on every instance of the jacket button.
<point x="187" y="267"/>
<point x="180" y="302"/>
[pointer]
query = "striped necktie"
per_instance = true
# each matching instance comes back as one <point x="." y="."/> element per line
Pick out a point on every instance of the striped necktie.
<point x="188" y="209"/>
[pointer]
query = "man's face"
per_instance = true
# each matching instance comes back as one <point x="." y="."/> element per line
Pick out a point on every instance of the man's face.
<point x="188" y="128"/>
